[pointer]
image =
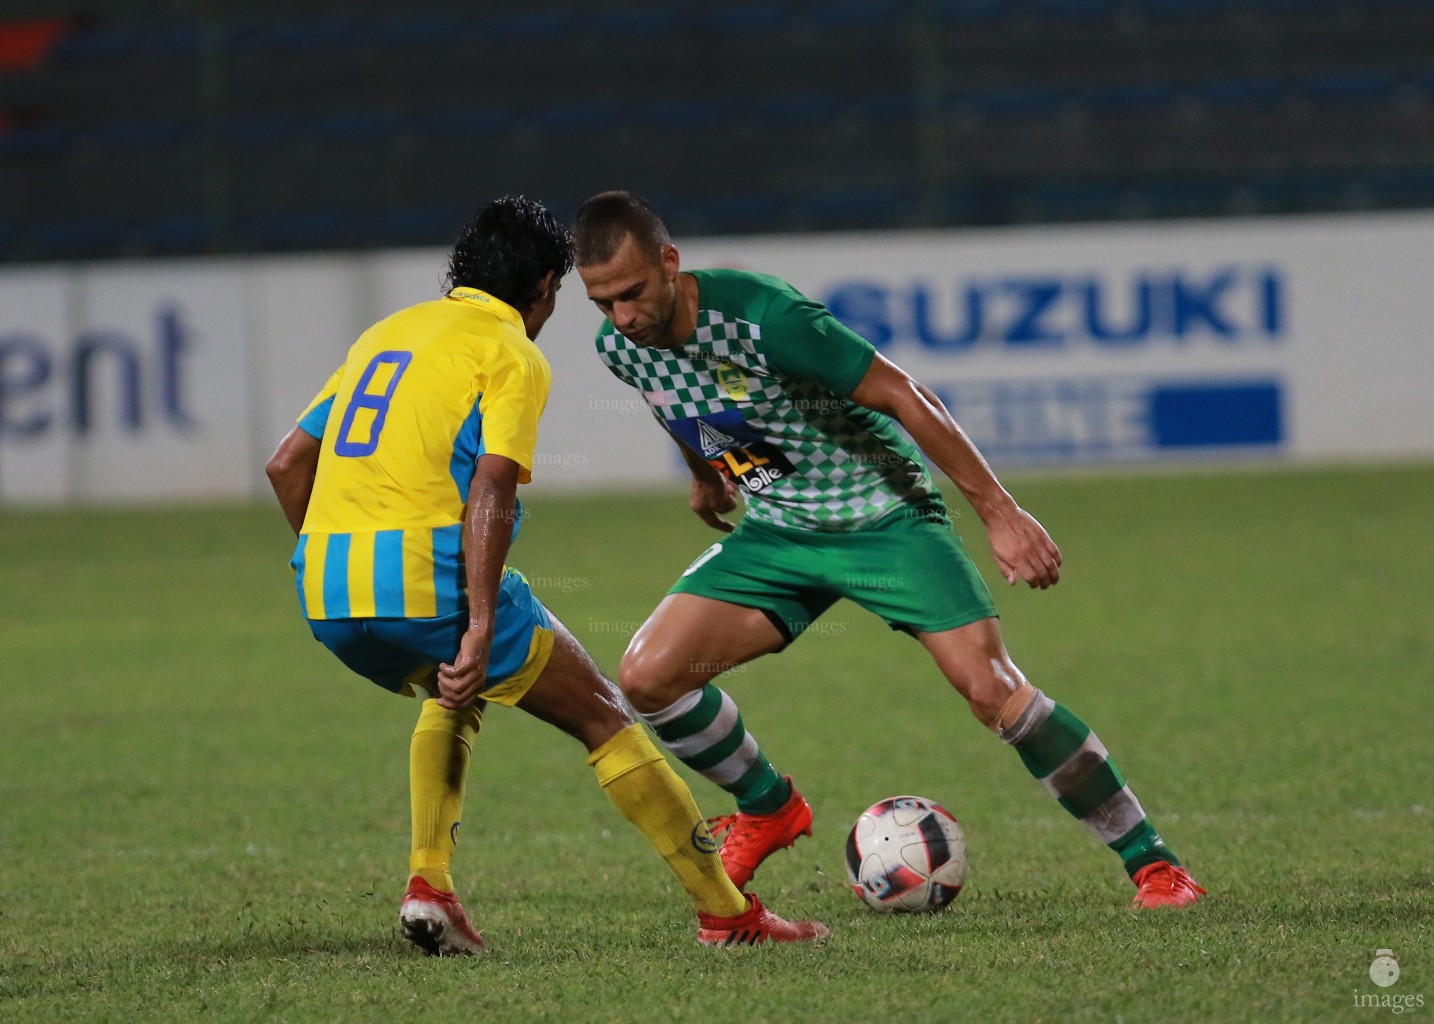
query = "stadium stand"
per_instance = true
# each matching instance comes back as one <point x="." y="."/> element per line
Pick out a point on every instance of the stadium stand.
<point x="315" y="124"/>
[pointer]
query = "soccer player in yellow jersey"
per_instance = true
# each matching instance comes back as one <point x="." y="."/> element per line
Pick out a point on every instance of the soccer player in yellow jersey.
<point x="401" y="481"/>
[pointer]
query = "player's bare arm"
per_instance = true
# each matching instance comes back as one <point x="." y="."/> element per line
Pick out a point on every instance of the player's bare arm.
<point x="1021" y="545"/>
<point x="291" y="474"/>
<point x="487" y="532"/>
<point x="713" y="494"/>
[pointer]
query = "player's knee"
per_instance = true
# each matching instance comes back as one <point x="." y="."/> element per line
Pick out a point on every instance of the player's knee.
<point x="647" y="681"/>
<point x="638" y="679"/>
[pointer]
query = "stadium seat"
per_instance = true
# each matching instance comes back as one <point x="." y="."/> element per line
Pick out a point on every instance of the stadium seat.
<point x="1246" y="93"/>
<point x="1132" y="98"/>
<point x="797" y="110"/>
<point x="120" y="42"/>
<point x="308" y="229"/>
<point x="1350" y="87"/>
<point x="260" y="130"/>
<point x="853" y="15"/>
<point x="742" y="213"/>
<point x="680" y="114"/>
<point x="969" y="12"/>
<point x="425" y="225"/>
<point x="77" y="239"/>
<point x="1402" y="187"/>
<point x="172" y="235"/>
<point x="743" y="19"/>
<point x="38" y="142"/>
<point x="1071" y="200"/>
<point x="1158" y="10"/>
<point x="162" y="134"/>
<point x="849" y="209"/>
<point x="1013" y="101"/>
<point x="885" y="107"/>
<point x="647" y="24"/>
<point x="1187" y="197"/>
<point x="475" y="122"/>
<point x="301" y="37"/>
<point x="525" y="26"/>
<point x="374" y="127"/>
<point x="1074" y="10"/>
<point x="415" y="31"/>
<point x="578" y="116"/>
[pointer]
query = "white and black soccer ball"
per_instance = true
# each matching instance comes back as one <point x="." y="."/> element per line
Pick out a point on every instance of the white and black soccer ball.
<point x="906" y="854"/>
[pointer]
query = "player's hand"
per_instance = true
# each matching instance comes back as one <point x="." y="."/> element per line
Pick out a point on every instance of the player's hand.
<point x="460" y="683"/>
<point x="711" y="498"/>
<point x="1023" y="549"/>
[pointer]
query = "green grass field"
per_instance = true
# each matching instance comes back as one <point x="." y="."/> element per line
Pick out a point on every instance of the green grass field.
<point x="205" y="817"/>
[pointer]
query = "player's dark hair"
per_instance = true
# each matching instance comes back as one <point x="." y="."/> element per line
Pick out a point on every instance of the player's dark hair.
<point x="506" y="249"/>
<point x="609" y="217"/>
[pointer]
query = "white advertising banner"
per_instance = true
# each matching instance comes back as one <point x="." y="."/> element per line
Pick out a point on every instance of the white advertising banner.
<point x="1299" y="338"/>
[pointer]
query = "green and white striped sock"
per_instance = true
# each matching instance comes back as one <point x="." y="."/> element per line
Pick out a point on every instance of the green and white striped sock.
<point x="1069" y="760"/>
<point x="704" y="731"/>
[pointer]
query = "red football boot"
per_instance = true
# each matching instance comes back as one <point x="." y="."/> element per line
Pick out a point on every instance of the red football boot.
<point x="752" y="838"/>
<point x="435" y="922"/>
<point x="1162" y="884"/>
<point x="756" y="926"/>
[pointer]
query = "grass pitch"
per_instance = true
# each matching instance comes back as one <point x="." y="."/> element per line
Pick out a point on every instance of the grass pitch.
<point x="205" y="817"/>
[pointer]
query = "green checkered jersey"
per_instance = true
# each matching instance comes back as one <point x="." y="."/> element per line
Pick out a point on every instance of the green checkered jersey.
<point x="761" y="391"/>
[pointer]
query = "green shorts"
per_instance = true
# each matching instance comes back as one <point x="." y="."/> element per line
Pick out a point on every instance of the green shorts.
<point x="908" y="568"/>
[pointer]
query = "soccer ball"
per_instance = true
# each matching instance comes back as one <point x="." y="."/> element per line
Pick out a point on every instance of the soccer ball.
<point x="906" y="854"/>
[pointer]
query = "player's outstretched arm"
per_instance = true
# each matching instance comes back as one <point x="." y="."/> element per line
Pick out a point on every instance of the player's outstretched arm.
<point x="291" y="473"/>
<point x="487" y="532"/>
<point x="1021" y="545"/>
<point x="712" y="493"/>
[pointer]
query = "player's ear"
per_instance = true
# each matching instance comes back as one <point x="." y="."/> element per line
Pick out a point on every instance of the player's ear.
<point x="671" y="262"/>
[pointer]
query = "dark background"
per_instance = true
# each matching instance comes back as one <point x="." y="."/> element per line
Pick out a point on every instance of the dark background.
<point x="185" y="128"/>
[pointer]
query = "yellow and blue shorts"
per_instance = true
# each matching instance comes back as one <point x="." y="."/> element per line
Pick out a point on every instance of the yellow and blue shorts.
<point x="400" y="654"/>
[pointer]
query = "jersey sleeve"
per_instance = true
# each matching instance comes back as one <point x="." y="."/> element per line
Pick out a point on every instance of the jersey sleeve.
<point x="312" y="419"/>
<point x="803" y="340"/>
<point x="607" y="350"/>
<point x="512" y="402"/>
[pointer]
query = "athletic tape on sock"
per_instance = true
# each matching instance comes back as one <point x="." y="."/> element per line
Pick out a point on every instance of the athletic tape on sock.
<point x="1032" y="718"/>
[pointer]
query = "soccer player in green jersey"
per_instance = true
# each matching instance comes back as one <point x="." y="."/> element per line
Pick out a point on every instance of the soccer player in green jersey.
<point x="401" y="481"/>
<point x="766" y="392"/>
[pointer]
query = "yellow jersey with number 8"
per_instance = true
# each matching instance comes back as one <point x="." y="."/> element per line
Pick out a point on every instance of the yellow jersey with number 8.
<point x="421" y="395"/>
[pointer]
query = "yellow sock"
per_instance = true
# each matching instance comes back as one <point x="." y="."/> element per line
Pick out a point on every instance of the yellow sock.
<point x="437" y="767"/>
<point x="649" y="794"/>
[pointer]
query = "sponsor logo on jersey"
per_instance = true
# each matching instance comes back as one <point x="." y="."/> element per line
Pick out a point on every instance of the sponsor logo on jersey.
<point x="734" y="448"/>
<point x="712" y="441"/>
<point x="733" y="381"/>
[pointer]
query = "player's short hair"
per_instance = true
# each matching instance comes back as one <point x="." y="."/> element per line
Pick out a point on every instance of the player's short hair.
<point x="609" y="217"/>
<point x="506" y="249"/>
